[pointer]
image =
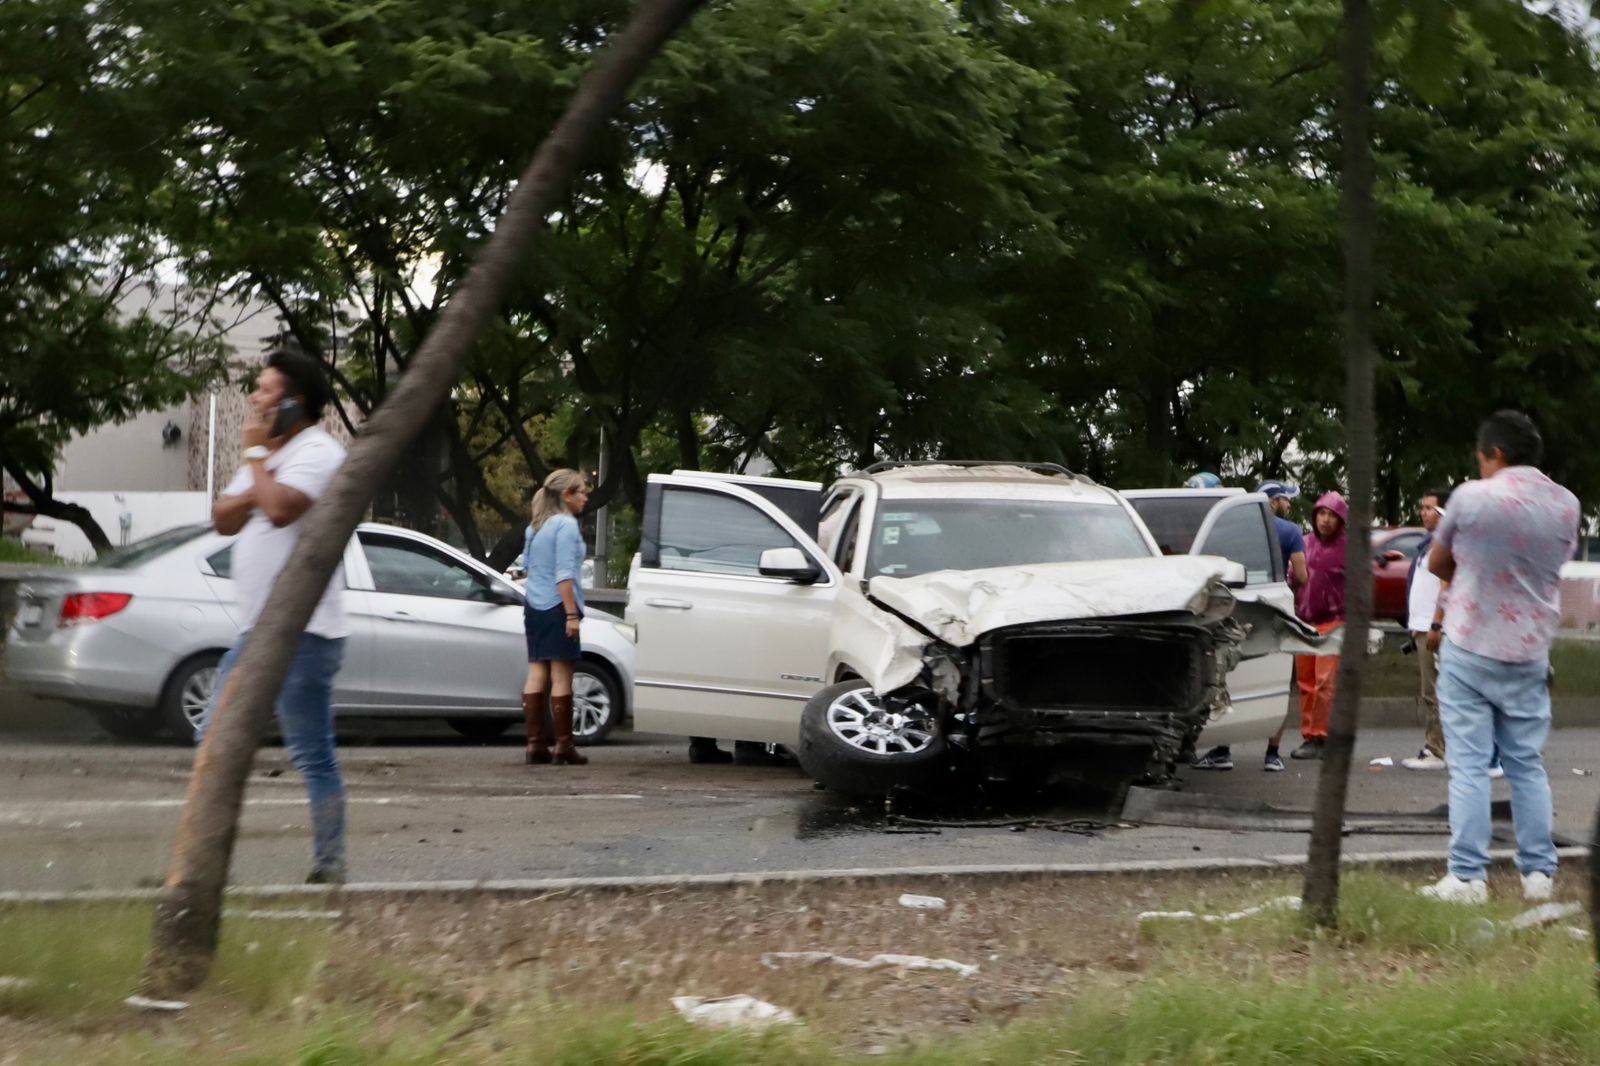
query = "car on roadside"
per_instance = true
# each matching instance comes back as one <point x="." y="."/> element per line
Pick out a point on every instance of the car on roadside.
<point x="999" y="622"/>
<point x="1393" y="550"/>
<point x="136" y="637"/>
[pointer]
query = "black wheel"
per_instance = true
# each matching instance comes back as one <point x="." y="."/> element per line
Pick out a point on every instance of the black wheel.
<point x="480" y="728"/>
<point x="596" y="703"/>
<point x="188" y="694"/>
<point x="128" y="723"/>
<point x="858" y="743"/>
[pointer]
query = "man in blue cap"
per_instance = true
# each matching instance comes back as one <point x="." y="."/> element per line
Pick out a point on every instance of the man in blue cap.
<point x="1292" y="544"/>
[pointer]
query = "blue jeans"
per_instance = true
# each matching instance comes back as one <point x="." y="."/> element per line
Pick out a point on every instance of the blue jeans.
<point x="1485" y="703"/>
<point x="305" y="718"/>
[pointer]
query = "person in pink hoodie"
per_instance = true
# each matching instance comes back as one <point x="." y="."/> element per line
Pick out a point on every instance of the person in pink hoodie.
<point x="1320" y="602"/>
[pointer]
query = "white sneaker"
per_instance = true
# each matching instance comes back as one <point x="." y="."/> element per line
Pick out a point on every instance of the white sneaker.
<point x="1496" y="772"/>
<point x="1423" y="760"/>
<point x="1451" y="889"/>
<point x="1537" y="887"/>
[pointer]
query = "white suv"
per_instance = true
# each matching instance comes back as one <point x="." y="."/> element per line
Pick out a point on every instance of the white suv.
<point x="920" y="620"/>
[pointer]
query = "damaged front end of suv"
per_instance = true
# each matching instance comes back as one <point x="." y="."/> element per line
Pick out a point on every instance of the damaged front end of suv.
<point x="1100" y="672"/>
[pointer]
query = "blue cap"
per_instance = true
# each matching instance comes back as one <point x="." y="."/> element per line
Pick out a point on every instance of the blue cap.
<point x="1203" y="480"/>
<point x="1274" y="489"/>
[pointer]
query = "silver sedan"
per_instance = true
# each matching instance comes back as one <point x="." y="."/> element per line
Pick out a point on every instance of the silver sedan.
<point x="136" y="637"/>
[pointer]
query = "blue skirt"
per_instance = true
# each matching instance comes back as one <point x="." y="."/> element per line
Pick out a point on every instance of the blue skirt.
<point x="547" y="636"/>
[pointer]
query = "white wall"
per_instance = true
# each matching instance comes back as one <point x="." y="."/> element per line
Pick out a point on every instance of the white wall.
<point x="146" y="514"/>
<point x="128" y="457"/>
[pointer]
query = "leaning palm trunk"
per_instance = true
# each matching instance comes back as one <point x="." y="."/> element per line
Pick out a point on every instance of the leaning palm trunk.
<point x="189" y="912"/>
<point x="1355" y="118"/>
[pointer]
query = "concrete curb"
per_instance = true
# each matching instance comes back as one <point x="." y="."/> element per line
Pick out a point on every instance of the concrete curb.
<point x="535" y="886"/>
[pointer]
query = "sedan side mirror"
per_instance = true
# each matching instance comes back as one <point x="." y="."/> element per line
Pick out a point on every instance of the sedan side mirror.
<point x="791" y="564"/>
<point x="1392" y="556"/>
<point x="502" y="597"/>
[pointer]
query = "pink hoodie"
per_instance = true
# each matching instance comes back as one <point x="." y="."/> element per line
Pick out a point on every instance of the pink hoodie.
<point x="1321" y="600"/>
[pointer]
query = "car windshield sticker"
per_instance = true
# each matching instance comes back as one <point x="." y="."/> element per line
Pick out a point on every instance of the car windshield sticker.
<point x="891" y="535"/>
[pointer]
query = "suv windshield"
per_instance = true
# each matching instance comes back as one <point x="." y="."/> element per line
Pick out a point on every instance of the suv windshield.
<point x="141" y="551"/>
<point x="920" y="536"/>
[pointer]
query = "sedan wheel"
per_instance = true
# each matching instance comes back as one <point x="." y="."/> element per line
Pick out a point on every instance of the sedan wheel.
<point x="188" y="694"/>
<point x="596" y="706"/>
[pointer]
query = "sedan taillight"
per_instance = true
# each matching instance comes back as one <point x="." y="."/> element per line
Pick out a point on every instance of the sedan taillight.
<point x="81" y="607"/>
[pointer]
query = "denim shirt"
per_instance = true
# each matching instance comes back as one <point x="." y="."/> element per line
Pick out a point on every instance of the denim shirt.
<point x="551" y="556"/>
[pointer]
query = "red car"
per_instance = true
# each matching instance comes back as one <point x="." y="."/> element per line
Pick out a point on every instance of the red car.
<point x="1392" y="552"/>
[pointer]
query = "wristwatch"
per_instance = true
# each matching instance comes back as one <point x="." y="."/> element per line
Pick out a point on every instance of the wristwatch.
<point x="1437" y="627"/>
<point x="256" y="452"/>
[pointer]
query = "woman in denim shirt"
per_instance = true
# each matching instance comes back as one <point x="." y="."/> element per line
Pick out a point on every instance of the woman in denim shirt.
<point x="553" y="558"/>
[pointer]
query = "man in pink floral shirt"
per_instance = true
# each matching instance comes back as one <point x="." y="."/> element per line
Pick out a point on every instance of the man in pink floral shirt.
<point x="1501" y="547"/>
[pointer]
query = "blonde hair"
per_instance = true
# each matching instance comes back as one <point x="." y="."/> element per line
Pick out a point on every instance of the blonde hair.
<point x="547" y="498"/>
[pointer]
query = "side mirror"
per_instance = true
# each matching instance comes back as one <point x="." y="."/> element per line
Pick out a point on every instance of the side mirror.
<point x="1392" y="556"/>
<point x="791" y="564"/>
<point x="1234" y="576"/>
<point x="502" y="597"/>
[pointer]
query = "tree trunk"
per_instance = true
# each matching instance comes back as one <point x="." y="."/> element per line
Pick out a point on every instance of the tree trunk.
<point x="1327" y="820"/>
<point x="42" y="501"/>
<point x="188" y="914"/>
<point x="1594" y="893"/>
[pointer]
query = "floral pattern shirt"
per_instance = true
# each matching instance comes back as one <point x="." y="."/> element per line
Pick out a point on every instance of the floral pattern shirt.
<point x="1509" y="535"/>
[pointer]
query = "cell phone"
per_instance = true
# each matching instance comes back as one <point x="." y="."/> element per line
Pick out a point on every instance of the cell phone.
<point x="290" y="414"/>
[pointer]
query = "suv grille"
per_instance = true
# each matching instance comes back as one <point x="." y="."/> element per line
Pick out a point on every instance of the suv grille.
<point x="1096" y="668"/>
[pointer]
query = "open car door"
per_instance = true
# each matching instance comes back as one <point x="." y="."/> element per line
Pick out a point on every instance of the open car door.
<point x="731" y="599"/>
<point x="1241" y="529"/>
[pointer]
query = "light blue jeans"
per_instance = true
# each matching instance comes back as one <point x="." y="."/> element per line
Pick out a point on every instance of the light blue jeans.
<point x="305" y="719"/>
<point x="1484" y="703"/>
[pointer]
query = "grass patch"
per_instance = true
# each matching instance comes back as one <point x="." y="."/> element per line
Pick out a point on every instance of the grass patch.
<point x="1392" y="675"/>
<point x="1404" y="980"/>
<point x="80" y="962"/>
<point x="13" y="550"/>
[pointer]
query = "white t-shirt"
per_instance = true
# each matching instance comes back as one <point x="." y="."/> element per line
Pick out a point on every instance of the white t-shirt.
<point x="306" y="464"/>
<point x="1424" y="598"/>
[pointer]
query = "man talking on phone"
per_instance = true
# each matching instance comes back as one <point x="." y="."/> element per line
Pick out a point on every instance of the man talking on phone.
<point x="288" y="463"/>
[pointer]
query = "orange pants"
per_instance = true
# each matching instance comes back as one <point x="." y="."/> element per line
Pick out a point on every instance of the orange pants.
<point x="1315" y="675"/>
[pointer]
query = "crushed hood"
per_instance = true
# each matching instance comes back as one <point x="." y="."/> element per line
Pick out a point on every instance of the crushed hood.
<point x="959" y="606"/>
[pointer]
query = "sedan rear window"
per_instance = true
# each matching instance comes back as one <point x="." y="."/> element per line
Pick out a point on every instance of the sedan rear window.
<point x="920" y="536"/>
<point x="142" y="551"/>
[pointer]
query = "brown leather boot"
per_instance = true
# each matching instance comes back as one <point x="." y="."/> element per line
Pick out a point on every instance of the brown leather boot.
<point x="566" y="753"/>
<point x="533" y="715"/>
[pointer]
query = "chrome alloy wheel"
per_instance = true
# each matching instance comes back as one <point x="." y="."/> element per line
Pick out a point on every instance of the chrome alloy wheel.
<point x="591" y="704"/>
<point x="864" y="720"/>
<point x="196" y="694"/>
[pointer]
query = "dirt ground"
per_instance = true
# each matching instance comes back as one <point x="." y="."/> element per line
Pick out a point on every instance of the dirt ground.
<point x="1036" y="942"/>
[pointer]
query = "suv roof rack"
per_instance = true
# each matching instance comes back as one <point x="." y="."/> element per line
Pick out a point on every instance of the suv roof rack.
<point x="1042" y="468"/>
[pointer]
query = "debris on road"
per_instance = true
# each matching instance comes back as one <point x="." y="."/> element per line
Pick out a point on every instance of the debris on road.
<point x="1290" y="903"/>
<point x="732" y="1011"/>
<point x="878" y="962"/>
<point x="169" y="1006"/>
<point x="1582" y="773"/>
<point x="1382" y="760"/>
<point x="921" y="903"/>
<point x="1544" y="914"/>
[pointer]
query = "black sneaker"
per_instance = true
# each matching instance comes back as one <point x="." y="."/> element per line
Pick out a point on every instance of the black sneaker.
<point x="1311" y="749"/>
<point x="1218" y="758"/>
<point x="324" y="875"/>
<point x="1272" y="764"/>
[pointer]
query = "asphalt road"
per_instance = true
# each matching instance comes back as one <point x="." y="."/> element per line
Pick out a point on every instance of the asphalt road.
<point x="80" y="810"/>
